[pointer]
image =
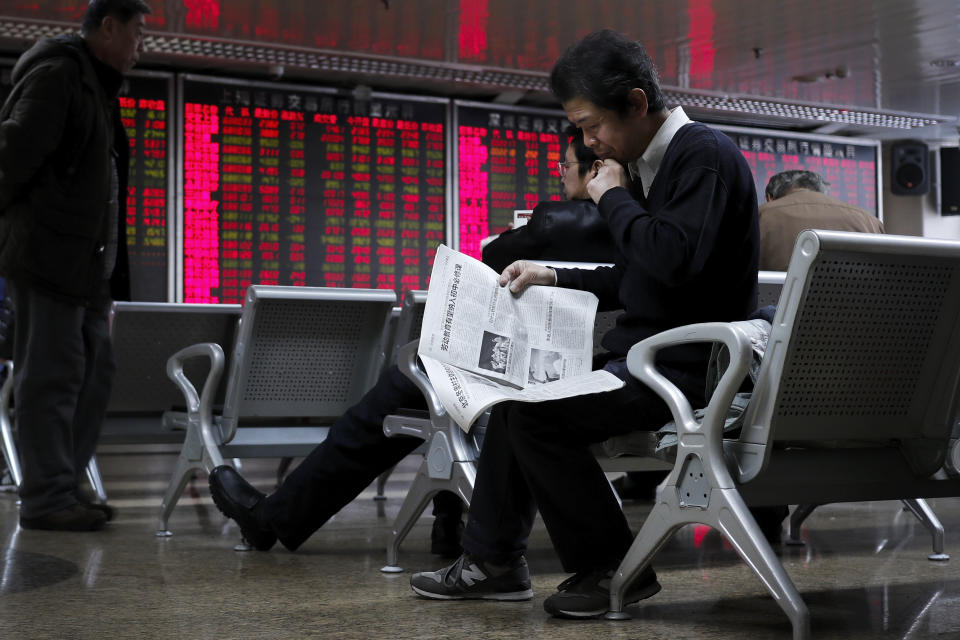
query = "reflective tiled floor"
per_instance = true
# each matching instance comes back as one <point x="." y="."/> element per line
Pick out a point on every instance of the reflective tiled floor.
<point x="864" y="574"/>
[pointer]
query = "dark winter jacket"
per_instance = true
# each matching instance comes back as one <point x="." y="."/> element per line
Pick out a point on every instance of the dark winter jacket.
<point x="58" y="128"/>
<point x="568" y="230"/>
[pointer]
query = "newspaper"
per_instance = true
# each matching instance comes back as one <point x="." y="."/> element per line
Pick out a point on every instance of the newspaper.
<point x="481" y="344"/>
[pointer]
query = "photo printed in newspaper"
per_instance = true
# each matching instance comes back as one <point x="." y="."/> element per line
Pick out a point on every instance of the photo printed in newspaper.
<point x="481" y="344"/>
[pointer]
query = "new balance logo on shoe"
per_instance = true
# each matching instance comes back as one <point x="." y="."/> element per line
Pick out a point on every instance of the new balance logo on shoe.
<point x="472" y="575"/>
<point x="471" y="578"/>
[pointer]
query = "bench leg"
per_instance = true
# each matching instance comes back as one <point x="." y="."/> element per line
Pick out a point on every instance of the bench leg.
<point x="461" y="481"/>
<point x="96" y="480"/>
<point x="742" y="531"/>
<point x="193" y="456"/>
<point x="181" y="475"/>
<point x="725" y="511"/>
<point x="800" y="513"/>
<point x="382" y="484"/>
<point x="10" y="450"/>
<point x="282" y="468"/>
<point x="921" y="509"/>
<point x="6" y="427"/>
<point x="657" y="529"/>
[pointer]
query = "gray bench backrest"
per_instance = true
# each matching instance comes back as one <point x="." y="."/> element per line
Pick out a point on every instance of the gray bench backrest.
<point x="865" y="347"/>
<point x="308" y="352"/>
<point x="145" y="334"/>
<point x="769" y="286"/>
<point x="410" y="320"/>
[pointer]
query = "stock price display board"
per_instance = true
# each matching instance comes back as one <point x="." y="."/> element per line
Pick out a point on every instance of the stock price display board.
<point x="145" y="113"/>
<point x="290" y="186"/>
<point x="507" y="159"/>
<point x="849" y="166"/>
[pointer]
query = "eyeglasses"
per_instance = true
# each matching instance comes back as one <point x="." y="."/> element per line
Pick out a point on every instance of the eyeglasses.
<point x="562" y="167"/>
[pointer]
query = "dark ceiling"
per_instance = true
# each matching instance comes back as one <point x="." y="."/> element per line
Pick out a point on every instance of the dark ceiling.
<point x="787" y="63"/>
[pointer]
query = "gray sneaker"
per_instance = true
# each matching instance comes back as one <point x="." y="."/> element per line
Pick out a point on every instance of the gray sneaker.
<point x="470" y="578"/>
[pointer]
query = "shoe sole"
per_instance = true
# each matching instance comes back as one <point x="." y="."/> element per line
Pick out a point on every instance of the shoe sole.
<point x="649" y="591"/>
<point x="509" y="596"/>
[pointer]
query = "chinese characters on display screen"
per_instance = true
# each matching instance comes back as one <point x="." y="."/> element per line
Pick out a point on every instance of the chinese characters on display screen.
<point x="851" y="169"/>
<point x="299" y="188"/>
<point x="506" y="160"/>
<point x="145" y="113"/>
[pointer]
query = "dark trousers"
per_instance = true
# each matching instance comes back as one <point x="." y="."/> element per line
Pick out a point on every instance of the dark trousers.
<point x="63" y="371"/>
<point x="537" y="456"/>
<point x="353" y="455"/>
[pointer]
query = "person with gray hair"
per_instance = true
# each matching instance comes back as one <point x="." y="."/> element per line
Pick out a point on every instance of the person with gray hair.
<point x="798" y="200"/>
<point x="63" y="173"/>
<point x="780" y="184"/>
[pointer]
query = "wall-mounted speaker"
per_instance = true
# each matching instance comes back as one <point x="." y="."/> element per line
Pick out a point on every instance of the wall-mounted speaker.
<point x="949" y="180"/>
<point x="909" y="168"/>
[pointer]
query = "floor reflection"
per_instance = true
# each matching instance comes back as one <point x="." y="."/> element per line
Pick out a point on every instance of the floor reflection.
<point x="863" y="573"/>
<point x="24" y="570"/>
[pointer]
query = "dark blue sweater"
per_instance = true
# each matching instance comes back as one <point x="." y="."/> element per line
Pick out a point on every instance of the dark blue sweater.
<point x="689" y="250"/>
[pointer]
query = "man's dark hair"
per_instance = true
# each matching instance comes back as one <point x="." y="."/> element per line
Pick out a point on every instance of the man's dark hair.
<point x="603" y="68"/>
<point x="584" y="154"/>
<point x="122" y="10"/>
<point x="780" y="184"/>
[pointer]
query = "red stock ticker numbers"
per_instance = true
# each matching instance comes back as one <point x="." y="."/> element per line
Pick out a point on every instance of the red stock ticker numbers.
<point x="507" y="160"/>
<point x="850" y="168"/>
<point x="299" y="188"/>
<point x="145" y="113"/>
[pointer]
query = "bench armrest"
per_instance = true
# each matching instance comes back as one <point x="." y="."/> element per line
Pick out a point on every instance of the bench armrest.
<point x="641" y="364"/>
<point x="462" y="446"/>
<point x="409" y="365"/>
<point x="199" y="407"/>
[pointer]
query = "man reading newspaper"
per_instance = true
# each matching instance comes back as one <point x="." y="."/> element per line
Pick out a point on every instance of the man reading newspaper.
<point x="680" y="203"/>
<point x="480" y="344"/>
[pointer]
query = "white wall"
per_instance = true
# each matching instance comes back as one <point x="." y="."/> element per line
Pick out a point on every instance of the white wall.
<point x="918" y="215"/>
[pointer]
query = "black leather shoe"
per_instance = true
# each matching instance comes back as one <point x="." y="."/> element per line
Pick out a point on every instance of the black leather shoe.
<point x="238" y="499"/>
<point x="107" y="510"/>
<point x="76" y="517"/>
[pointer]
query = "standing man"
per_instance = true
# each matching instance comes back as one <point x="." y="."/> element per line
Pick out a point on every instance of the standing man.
<point x="63" y="172"/>
<point x="680" y="203"/>
<point x="798" y="200"/>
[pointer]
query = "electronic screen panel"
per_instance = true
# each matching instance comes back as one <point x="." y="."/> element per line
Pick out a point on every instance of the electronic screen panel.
<point x="506" y="159"/>
<point x="850" y="165"/>
<point x="291" y="186"/>
<point x="145" y="114"/>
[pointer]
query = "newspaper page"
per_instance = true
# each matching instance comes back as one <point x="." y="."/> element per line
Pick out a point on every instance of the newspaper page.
<point x="481" y="344"/>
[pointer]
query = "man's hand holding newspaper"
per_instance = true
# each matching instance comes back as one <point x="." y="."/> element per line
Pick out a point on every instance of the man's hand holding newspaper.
<point x="481" y="344"/>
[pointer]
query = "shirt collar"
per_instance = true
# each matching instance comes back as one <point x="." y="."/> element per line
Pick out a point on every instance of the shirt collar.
<point x="646" y="166"/>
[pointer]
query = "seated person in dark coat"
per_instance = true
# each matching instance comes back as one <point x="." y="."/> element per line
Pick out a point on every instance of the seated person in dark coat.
<point x="679" y="200"/>
<point x="570" y="230"/>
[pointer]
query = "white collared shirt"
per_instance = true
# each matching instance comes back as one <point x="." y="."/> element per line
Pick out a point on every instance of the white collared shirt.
<point x="646" y="166"/>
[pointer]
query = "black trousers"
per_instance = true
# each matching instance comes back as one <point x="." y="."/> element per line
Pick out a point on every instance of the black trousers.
<point x="537" y="456"/>
<point x="338" y="469"/>
<point x="63" y="371"/>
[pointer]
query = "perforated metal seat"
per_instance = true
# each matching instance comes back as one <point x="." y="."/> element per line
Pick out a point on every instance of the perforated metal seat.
<point x="144" y="334"/>
<point x="855" y="400"/>
<point x="302" y="357"/>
